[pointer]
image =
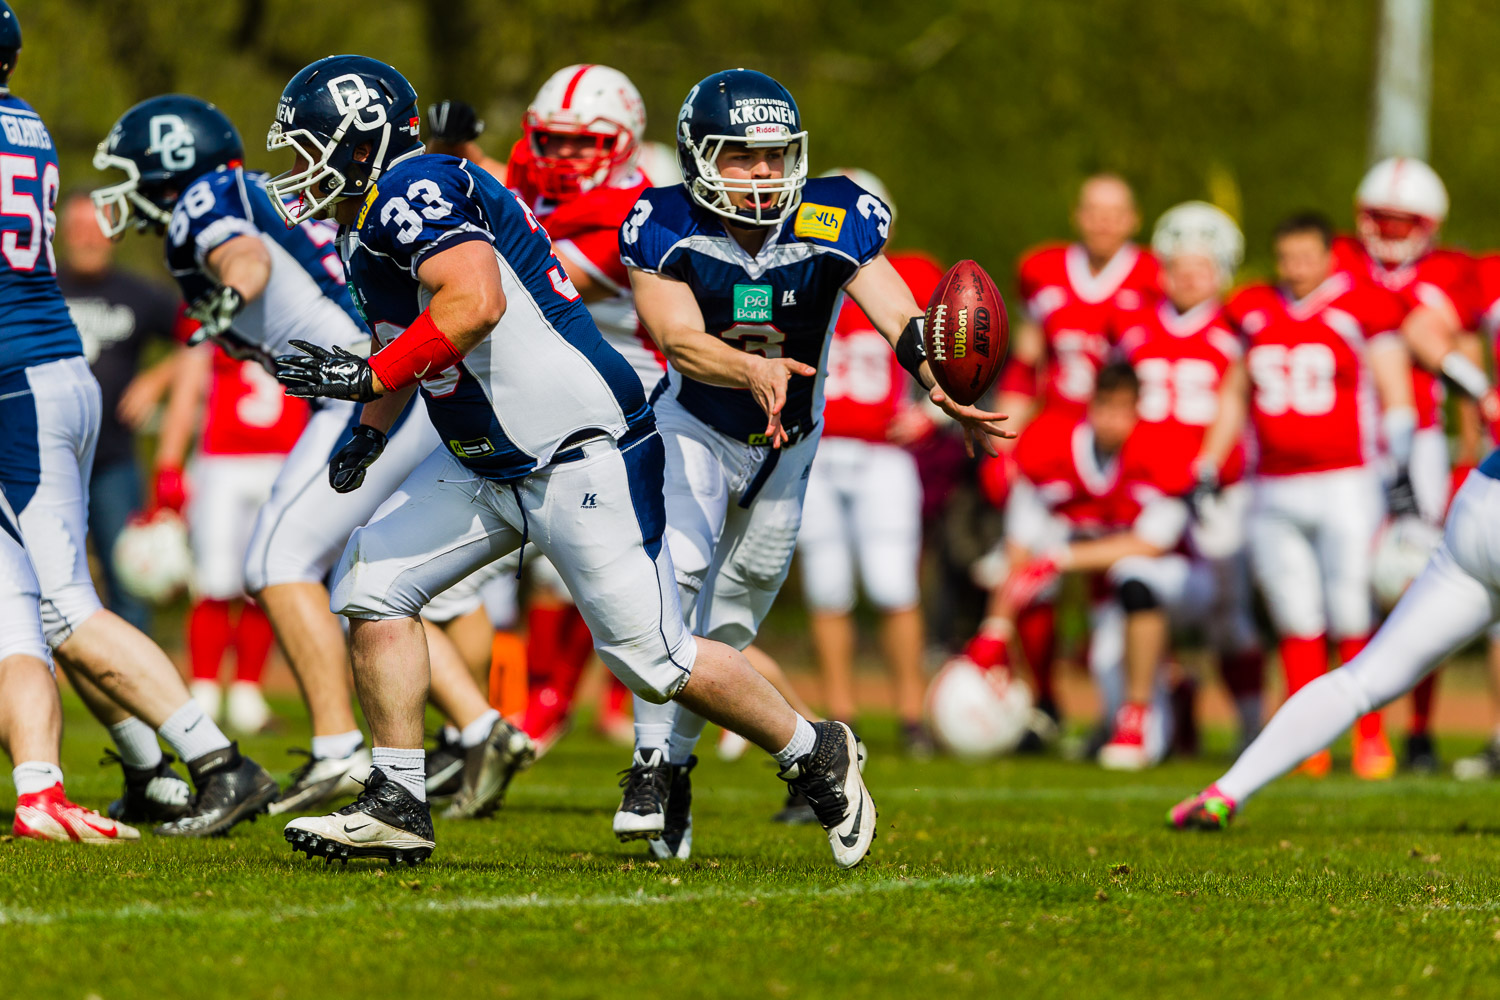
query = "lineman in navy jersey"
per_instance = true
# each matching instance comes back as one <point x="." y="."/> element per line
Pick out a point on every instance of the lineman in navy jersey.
<point x="547" y="437"/>
<point x="50" y="412"/>
<point x="738" y="274"/>
<point x="257" y="285"/>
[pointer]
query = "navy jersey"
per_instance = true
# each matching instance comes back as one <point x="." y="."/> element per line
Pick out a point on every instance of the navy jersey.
<point x="544" y="374"/>
<point x="35" y="326"/>
<point x="306" y="297"/>
<point x="782" y="302"/>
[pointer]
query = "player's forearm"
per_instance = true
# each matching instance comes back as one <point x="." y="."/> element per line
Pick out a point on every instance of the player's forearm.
<point x="1430" y="335"/>
<point x="243" y="264"/>
<point x="1095" y="555"/>
<point x="382" y="413"/>
<point x="702" y="357"/>
<point x="184" y="405"/>
<point x="1229" y="426"/>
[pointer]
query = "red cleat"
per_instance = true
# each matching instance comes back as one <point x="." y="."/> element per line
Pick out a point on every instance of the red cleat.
<point x="48" y="815"/>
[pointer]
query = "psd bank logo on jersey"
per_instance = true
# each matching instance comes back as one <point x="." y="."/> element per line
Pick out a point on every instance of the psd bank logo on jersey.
<point x="172" y="140"/>
<point x="752" y="303"/>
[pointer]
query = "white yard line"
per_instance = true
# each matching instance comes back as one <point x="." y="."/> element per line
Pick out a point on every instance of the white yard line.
<point x="417" y="904"/>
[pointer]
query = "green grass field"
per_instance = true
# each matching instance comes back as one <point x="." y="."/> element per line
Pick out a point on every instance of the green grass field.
<point x="1019" y="878"/>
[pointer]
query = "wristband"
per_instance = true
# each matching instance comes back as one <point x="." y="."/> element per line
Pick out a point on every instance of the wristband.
<point x="420" y="352"/>
<point x="1465" y="375"/>
<point x="911" y="351"/>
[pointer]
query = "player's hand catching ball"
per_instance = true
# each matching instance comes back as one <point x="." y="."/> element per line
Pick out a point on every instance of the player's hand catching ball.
<point x="346" y="470"/>
<point x="767" y="384"/>
<point x="335" y="374"/>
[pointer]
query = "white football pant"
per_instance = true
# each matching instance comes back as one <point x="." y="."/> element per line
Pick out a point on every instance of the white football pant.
<point x="228" y="492"/>
<point x="599" y="519"/>
<point x="1311" y="539"/>
<point x="863" y="508"/>
<point x="20" y="595"/>
<point x="1452" y="601"/>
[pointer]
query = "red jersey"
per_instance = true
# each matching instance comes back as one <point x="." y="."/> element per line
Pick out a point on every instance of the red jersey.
<point x="1487" y="292"/>
<point x="1442" y="279"/>
<point x="866" y="386"/>
<point x="1060" y="461"/>
<point x="587" y="230"/>
<point x="1181" y="360"/>
<point x="248" y="411"/>
<point x="1312" y="403"/>
<point x="1073" y="305"/>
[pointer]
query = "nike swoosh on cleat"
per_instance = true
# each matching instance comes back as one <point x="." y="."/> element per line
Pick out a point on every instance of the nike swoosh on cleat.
<point x="853" y="837"/>
<point x="354" y="829"/>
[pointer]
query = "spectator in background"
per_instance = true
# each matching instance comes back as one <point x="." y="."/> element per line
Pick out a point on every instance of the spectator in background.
<point x="116" y="312"/>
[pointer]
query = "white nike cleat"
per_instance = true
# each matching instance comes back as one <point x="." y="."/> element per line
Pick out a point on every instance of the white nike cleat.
<point x="386" y="821"/>
<point x="829" y="778"/>
<point x="48" y="815"/>
<point x="322" y="780"/>
<point x="676" y="840"/>
<point x="488" y="770"/>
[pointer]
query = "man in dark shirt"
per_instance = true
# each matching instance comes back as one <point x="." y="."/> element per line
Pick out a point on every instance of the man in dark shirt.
<point x="116" y="312"/>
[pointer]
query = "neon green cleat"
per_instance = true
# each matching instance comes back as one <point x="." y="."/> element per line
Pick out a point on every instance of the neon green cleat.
<point x="1210" y="809"/>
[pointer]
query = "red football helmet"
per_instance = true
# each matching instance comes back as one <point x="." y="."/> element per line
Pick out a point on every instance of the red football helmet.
<point x="583" y="130"/>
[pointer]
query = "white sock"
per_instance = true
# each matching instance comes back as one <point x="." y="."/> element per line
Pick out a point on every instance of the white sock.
<point x="452" y="733"/>
<point x="685" y="733"/>
<point x="407" y="768"/>
<point x="191" y="733"/>
<point x="34" y="776"/>
<point x="478" y="731"/>
<point x="136" y="742"/>
<point x="804" y="738"/>
<point x="653" y="725"/>
<point x="337" y="746"/>
<point x="1309" y="721"/>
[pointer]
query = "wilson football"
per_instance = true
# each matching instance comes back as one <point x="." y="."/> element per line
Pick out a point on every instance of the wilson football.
<point x="967" y="334"/>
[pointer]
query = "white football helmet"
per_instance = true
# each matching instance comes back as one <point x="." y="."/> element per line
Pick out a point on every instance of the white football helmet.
<point x="597" y="103"/>
<point x="152" y="557"/>
<point x="976" y="713"/>
<point x="1399" y="208"/>
<point x="1196" y="227"/>
<point x="1402" y="549"/>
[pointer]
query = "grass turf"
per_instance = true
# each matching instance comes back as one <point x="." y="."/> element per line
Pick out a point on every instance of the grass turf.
<point x="1018" y="878"/>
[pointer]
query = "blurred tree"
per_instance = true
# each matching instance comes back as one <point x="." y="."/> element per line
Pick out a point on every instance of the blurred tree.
<point x="981" y="115"/>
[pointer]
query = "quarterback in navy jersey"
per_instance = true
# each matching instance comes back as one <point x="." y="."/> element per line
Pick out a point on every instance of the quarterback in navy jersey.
<point x="50" y="412"/>
<point x="739" y="274"/>
<point x="547" y="437"/>
<point x="258" y="284"/>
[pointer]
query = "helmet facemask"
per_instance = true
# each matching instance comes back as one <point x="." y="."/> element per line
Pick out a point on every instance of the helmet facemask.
<point x="712" y="191"/>
<point x="127" y="204"/>
<point x="1395" y="238"/>
<point x="561" y="178"/>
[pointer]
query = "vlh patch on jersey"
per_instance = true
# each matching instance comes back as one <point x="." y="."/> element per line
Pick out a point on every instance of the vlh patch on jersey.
<point x="821" y="222"/>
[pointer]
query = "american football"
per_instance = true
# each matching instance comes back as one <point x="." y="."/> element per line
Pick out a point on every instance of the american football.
<point x="967" y="333"/>
<point x="529" y="507"/>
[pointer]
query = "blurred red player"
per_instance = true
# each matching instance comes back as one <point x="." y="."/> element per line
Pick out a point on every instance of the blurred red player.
<point x="1322" y="349"/>
<point x="244" y="433"/>
<point x="1400" y="206"/>
<point x="1192" y="372"/>
<point x="863" y="506"/>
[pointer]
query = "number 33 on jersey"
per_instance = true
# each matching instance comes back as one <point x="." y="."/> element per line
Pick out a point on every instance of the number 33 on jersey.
<point x="781" y="302"/>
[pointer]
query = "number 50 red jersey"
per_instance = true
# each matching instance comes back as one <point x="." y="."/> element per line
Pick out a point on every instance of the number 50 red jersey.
<point x="1312" y="402"/>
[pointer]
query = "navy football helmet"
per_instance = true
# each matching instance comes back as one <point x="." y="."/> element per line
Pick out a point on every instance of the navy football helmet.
<point x="327" y="113"/>
<point x="162" y="145"/>
<point x="748" y="108"/>
<point x="10" y="43"/>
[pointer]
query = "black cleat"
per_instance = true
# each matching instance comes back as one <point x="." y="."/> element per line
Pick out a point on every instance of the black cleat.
<point x="321" y="781"/>
<point x="676" y="841"/>
<point x="231" y="788"/>
<point x="385" y="822"/>
<point x="643" y="808"/>
<point x="1421" y="755"/>
<point x="795" y="811"/>
<point x="445" y="767"/>
<point x="488" y="770"/>
<point x="152" y="794"/>
<point x="829" y="779"/>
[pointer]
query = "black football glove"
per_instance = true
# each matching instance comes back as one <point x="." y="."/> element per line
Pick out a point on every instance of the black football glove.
<point x="346" y="470"/>
<point x="454" y="122"/>
<point x="1205" y="487"/>
<point x="316" y="372"/>
<point x="216" y="312"/>
<point x="1400" y="498"/>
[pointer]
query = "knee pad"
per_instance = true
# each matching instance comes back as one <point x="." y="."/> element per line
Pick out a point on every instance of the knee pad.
<point x="1136" y="596"/>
